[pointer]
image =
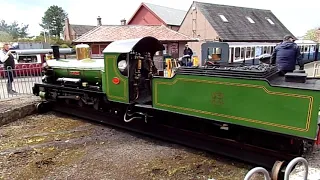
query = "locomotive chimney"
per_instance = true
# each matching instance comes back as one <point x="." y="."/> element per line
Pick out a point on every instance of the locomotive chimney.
<point x="123" y="22"/>
<point x="99" y="21"/>
<point x="56" y="53"/>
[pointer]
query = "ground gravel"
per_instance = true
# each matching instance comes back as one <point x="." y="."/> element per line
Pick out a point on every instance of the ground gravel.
<point x="55" y="146"/>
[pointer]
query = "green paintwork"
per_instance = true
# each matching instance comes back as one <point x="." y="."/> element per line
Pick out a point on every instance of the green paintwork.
<point x="89" y="75"/>
<point x="115" y="92"/>
<point x="104" y="87"/>
<point x="251" y="103"/>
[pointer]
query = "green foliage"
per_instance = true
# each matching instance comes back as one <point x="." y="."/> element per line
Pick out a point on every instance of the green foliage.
<point x="53" y="20"/>
<point x="14" y="30"/>
<point x="51" y="40"/>
<point x="64" y="46"/>
<point x="312" y="35"/>
<point x="5" y="37"/>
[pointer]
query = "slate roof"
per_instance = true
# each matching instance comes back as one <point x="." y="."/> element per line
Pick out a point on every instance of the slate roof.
<point x="110" y="33"/>
<point x="238" y="27"/>
<point x="169" y="15"/>
<point x="81" y="29"/>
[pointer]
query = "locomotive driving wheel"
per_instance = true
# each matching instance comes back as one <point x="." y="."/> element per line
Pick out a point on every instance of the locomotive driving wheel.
<point x="277" y="171"/>
<point x="43" y="107"/>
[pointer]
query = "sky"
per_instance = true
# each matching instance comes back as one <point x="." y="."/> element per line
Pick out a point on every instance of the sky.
<point x="298" y="18"/>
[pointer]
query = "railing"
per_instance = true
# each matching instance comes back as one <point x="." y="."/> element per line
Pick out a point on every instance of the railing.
<point x="16" y="82"/>
<point x="287" y="171"/>
<point x="257" y="170"/>
<point x="316" y="68"/>
<point x="292" y="164"/>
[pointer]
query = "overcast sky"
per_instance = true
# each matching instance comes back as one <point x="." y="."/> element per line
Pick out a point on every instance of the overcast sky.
<point x="295" y="15"/>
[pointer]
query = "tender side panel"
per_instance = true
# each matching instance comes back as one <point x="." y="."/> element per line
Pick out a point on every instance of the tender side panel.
<point x="250" y="103"/>
<point x="115" y="92"/>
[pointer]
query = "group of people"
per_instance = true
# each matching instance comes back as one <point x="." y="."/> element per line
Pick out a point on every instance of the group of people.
<point x="7" y="59"/>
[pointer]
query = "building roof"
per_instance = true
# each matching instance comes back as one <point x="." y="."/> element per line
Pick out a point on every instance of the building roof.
<point x="110" y="33"/>
<point x="264" y="24"/>
<point x="125" y="46"/>
<point x="169" y="15"/>
<point x="81" y="29"/>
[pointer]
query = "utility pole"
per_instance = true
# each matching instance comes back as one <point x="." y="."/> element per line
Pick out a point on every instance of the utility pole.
<point x="44" y="35"/>
<point x="48" y="34"/>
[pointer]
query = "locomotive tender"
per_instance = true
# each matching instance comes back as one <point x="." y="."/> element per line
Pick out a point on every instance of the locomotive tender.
<point x="250" y="104"/>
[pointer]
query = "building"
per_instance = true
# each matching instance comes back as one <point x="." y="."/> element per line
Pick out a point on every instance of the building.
<point x="213" y="22"/>
<point x="74" y="31"/>
<point x="318" y="35"/>
<point x="100" y="37"/>
<point x="150" y="14"/>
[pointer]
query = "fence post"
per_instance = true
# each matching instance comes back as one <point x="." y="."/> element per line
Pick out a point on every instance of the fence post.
<point x="294" y="162"/>
<point x="258" y="170"/>
<point x="314" y="69"/>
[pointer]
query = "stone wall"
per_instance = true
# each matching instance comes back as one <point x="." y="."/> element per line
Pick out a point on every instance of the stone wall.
<point x="16" y="108"/>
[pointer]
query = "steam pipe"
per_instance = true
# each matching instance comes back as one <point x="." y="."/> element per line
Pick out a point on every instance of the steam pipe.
<point x="43" y="51"/>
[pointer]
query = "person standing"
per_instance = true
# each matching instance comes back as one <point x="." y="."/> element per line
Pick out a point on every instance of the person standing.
<point x="8" y="63"/>
<point x="286" y="55"/>
<point x="187" y="51"/>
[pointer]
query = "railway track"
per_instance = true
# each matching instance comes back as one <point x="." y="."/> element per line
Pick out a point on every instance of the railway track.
<point x="273" y="161"/>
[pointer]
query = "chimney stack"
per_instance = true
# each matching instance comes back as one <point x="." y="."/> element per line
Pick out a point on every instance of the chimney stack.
<point x="99" y="21"/>
<point x="123" y="22"/>
<point x="67" y="33"/>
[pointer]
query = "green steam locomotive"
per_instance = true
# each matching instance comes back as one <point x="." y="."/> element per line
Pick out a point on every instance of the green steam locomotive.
<point x="244" y="103"/>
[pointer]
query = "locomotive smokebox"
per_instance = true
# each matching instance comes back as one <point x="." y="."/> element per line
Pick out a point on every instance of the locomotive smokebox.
<point x="82" y="51"/>
<point x="56" y="52"/>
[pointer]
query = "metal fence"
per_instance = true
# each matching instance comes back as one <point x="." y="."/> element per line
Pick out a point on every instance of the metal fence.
<point x="316" y="68"/>
<point x="16" y="82"/>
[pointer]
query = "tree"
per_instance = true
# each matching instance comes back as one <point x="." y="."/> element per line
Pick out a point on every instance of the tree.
<point x="312" y="34"/>
<point x="14" y="29"/>
<point x="5" y="37"/>
<point x="53" y="20"/>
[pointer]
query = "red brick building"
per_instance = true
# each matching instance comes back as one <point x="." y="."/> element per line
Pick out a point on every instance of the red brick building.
<point x="101" y="36"/>
<point x="318" y="35"/>
<point x="150" y="14"/>
<point x="74" y="31"/>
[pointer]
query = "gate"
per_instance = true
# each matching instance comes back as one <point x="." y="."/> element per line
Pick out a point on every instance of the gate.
<point x="16" y="82"/>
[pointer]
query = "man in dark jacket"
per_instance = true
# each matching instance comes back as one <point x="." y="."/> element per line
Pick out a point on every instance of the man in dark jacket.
<point x="286" y="55"/>
<point x="187" y="51"/>
<point x="8" y="63"/>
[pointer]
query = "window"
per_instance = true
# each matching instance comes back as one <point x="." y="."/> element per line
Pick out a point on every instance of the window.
<point x="224" y="19"/>
<point x="250" y="20"/>
<point x="269" y="20"/>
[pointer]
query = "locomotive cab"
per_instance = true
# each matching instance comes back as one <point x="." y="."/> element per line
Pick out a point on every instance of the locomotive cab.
<point x="135" y="69"/>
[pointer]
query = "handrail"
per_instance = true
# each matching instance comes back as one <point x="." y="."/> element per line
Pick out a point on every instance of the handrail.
<point x="294" y="162"/>
<point x="258" y="170"/>
<point x="316" y="68"/>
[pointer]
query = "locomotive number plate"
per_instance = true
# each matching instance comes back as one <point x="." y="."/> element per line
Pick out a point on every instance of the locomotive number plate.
<point x="75" y="73"/>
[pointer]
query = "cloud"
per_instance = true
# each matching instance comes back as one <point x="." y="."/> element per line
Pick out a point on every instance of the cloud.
<point x="297" y="18"/>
